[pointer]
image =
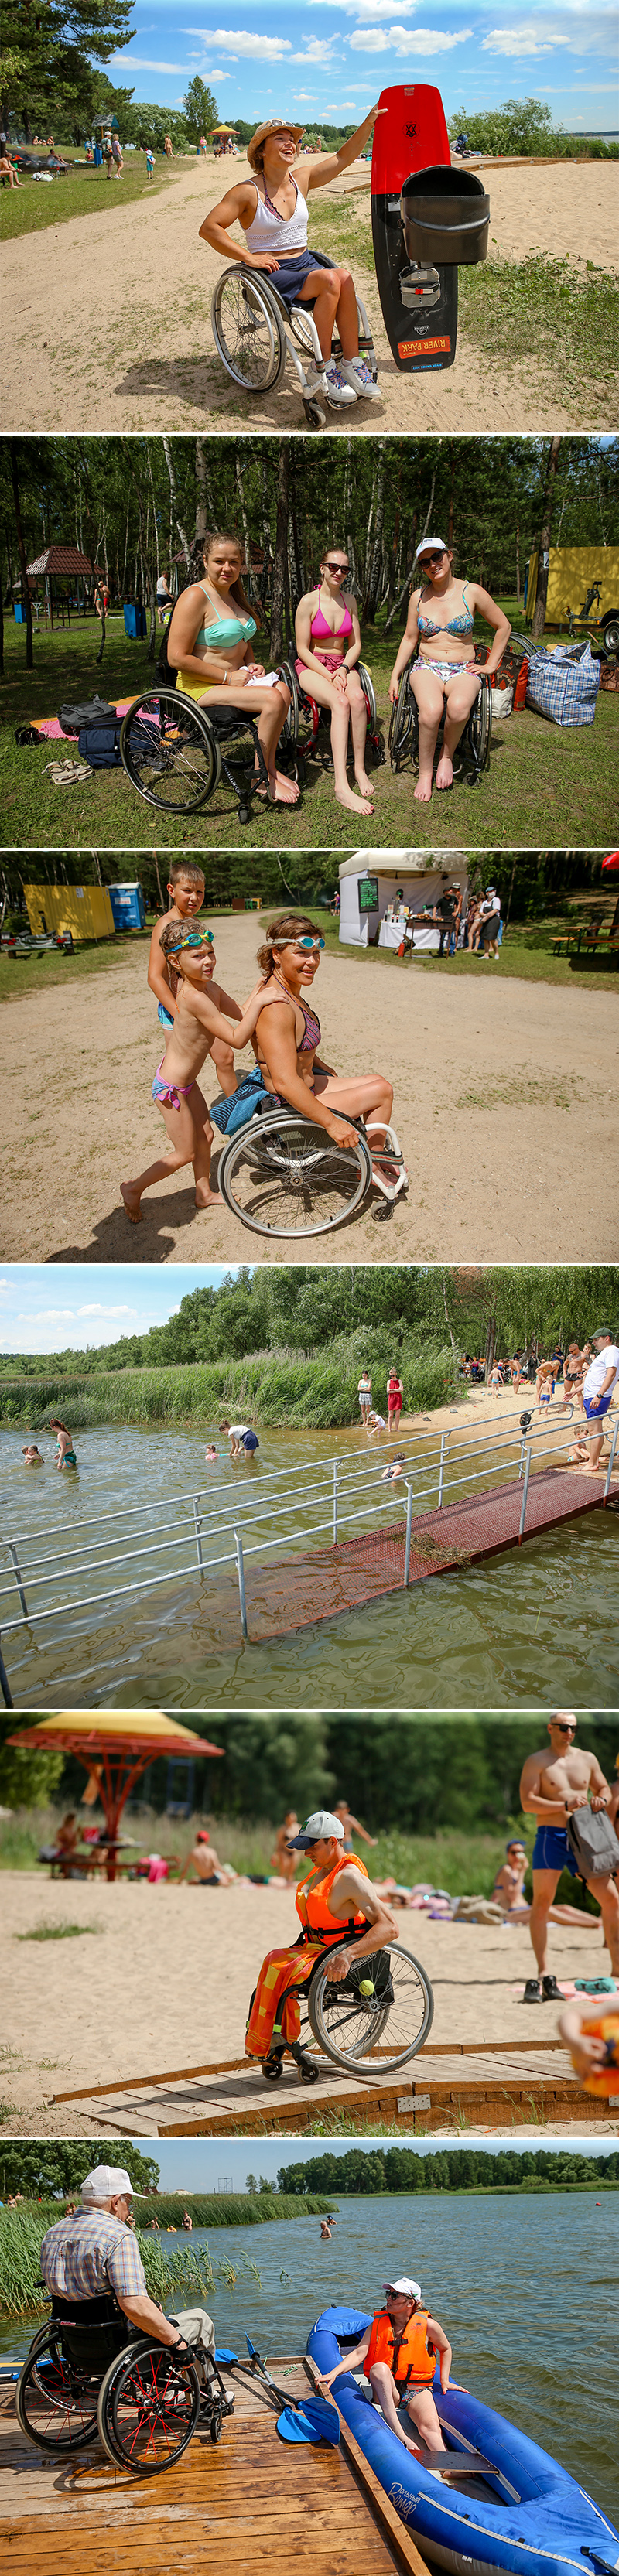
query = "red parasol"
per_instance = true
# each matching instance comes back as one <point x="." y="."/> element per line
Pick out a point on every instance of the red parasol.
<point x="115" y="1747"/>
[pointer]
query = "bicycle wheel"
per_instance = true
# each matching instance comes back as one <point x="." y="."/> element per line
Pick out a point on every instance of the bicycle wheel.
<point x="247" y="330"/>
<point x="148" y="2408"/>
<point x="56" y="2404"/>
<point x="401" y="725"/>
<point x="350" y="2027"/>
<point x="170" y="751"/>
<point x="284" y="1176"/>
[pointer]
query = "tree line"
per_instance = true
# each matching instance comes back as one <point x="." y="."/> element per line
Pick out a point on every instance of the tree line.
<point x="139" y="506"/>
<point x="404" y="2169"/>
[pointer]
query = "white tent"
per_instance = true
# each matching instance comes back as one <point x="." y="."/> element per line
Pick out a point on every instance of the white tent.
<point x="370" y="881"/>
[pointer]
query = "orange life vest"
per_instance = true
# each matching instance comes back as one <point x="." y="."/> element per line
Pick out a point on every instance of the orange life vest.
<point x="604" y="2080"/>
<point x="410" y="2356"/>
<point x="314" y="1910"/>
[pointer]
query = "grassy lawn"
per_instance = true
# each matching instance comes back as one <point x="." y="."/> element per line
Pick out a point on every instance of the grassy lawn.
<point x="84" y="192"/>
<point x="536" y="311"/>
<point x="543" y="784"/>
<point x="525" y="954"/>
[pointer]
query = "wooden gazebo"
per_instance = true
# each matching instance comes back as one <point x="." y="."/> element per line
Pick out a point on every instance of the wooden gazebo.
<point x="115" y="1747"/>
<point x="60" y="563"/>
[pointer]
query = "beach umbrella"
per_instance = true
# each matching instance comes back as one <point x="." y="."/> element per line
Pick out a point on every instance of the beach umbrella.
<point x="612" y="861"/>
<point x="115" y="1747"/>
<point x="222" y="129"/>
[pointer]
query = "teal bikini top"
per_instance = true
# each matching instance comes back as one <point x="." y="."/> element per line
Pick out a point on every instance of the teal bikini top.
<point x="227" y="631"/>
<point x="457" y="625"/>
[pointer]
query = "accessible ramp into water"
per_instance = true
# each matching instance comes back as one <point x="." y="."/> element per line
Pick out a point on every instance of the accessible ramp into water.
<point x="522" y="2514"/>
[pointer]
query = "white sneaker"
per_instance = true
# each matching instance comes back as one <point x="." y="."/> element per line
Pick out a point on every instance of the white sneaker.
<point x="337" y="390"/>
<point x="356" y="373"/>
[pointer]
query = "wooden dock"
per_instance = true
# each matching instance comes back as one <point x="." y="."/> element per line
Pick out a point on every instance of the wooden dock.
<point x="478" y="2084"/>
<point x="251" y="2504"/>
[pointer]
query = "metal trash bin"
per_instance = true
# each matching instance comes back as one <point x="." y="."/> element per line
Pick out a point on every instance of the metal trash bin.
<point x="446" y="217"/>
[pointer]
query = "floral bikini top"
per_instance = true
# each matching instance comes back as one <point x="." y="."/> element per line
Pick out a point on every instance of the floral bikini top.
<point x="456" y="626"/>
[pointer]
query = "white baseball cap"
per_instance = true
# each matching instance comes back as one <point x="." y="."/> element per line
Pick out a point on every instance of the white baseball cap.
<point x="431" y="546"/>
<point x="405" y="2289"/>
<point x="104" y="2183"/>
<point x="319" y="1828"/>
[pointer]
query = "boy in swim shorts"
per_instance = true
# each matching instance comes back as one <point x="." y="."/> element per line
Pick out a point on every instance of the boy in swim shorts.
<point x="198" y="1020"/>
<point x="186" y="887"/>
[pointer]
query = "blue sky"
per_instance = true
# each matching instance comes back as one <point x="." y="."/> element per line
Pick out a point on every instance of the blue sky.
<point x="64" y="1308"/>
<point x="202" y="2164"/>
<point x="561" y="51"/>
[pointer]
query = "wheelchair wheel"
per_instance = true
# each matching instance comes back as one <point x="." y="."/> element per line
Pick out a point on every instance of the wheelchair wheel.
<point x="369" y="693"/>
<point x="401" y="727"/>
<point x="289" y="735"/>
<point x="170" y="751"/>
<point x="247" y="330"/>
<point x="283" y="1176"/>
<point x="56" y="2404"/>
<point x="479" y="729"/>
<point x="148" y="2408"/>
<point x="351" y="2028"/>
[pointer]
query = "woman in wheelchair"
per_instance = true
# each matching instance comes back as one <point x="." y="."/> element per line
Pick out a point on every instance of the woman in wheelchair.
<point x="439" y="633"/>
<point x="337" y="1897"/>
<point x="288" y="1037"/>
<point x="328" y="640"/>
<point x="209" y="646"/>
<point x="271" y="207"/>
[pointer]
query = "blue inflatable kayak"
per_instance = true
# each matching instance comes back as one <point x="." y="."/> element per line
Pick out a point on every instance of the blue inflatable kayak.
<point x="523" y="2514"/>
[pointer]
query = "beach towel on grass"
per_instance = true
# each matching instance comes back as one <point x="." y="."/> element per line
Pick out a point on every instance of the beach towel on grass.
<point x="563" y="685"/>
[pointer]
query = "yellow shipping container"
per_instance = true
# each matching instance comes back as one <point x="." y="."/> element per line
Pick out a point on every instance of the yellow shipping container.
<point x="572" y="570"/>
<point x="84" y="910"/>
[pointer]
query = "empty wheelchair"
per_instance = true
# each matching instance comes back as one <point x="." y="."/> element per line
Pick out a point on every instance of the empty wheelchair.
<point x="307" y="725"/>
<point x="370" y="2024"/>
<point x="255" y="333"/>
<point x="473" y="750"/>
<point x="282" y="1174"/>
<point x="97" y="2380"/>
<point x="174" y="753"/>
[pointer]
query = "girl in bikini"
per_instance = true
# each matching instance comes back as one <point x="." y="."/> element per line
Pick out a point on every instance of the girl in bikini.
<point x="439" y="633"/>
<point x="65" y="1453"/>
<point x="175" y="1091"/>
<point x="209" y="646"/>
<point x="328" y="639"/>
<point x="287" y="1038"/>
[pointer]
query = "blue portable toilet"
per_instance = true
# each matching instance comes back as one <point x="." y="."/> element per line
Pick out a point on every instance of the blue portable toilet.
<point x="135" y="622"/>
<point x="127" y="902"/>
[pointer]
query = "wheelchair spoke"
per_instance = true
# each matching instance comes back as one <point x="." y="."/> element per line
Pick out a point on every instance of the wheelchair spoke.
<point x="285" y="1177"/>
<point x="372" y="2034"/>
<point x="56" y="2405"/>
<point x="148" y="2409"/>
<point x="247" y="331"/>
<point x="168" y="751"/>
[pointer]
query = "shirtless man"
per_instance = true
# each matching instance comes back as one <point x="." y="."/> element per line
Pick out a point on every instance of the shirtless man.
<point x="551" y="1788"/>
<point x="210" y="1871"/>
<point x="283" y="1860"/>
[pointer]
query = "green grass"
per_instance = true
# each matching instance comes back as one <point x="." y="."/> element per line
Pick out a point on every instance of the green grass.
<point x="544" y="783"/>
<point x="84" y="192"/>
<point x="61" y="1932"/>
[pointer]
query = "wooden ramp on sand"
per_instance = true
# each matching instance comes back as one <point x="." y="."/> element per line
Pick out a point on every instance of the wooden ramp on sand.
<point x="448" y="2085"/>
<point x="250" y="2505"/>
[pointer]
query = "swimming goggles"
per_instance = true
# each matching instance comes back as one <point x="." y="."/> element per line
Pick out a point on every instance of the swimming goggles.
<point x="193" y="939"/>
<point x="306" y="944"/>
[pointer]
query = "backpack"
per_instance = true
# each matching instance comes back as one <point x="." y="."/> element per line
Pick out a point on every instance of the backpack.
<point x="593" y="1843"/>
<point x="94" y="710"/>
<point x="99" y="744"/>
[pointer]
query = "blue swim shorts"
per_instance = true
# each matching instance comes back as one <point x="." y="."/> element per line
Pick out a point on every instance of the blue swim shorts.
<point x="551" y="1850"/>
<point x="600" y="1409"/>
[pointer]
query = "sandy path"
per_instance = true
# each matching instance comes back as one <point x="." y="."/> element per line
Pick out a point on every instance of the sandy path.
<point x="63" y="2027"/>
<point x="481" y="1072"/>
<point x="139" y="354"/>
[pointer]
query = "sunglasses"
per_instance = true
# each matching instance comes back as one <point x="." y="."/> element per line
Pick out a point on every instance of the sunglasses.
<point x="335" y="567"/>
<point x="193" y="939"/>
<point x="564" y="1730"/>
<point x="432" y="559"/>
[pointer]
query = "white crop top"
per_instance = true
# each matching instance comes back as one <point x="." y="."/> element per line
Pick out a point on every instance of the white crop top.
<point x="269" y="231"/>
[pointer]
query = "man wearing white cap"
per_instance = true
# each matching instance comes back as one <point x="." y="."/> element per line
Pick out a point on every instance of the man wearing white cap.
<point x="399" y="2352"/>
<point x="438" y="643"/>
<point x="90" y="2262"/>
<point x="336" y="1896"/>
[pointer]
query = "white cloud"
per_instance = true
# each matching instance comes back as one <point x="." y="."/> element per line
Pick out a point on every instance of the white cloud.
<point x="366" y="9"/>
<point x="575" y="28"/>
<point x="406" y="40"/>
<point x="243" y="45"/>
<point x="142" y="63"/>
<point x="316" y="53"/>
<point x="514" y="41"/>
<point x="108" y="1310"/>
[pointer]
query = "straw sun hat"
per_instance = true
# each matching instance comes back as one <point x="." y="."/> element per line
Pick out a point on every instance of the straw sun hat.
<point x="273" y="125"/>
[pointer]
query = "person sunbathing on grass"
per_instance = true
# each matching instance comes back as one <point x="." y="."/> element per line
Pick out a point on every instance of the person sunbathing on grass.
<point x="199" y="1019"/>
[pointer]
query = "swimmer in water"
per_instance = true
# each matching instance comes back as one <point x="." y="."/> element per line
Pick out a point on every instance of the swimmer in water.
<point x="32" y="1456"/>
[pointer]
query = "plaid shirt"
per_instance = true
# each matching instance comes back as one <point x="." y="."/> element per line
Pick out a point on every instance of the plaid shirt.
<point x="89" y="2254"/>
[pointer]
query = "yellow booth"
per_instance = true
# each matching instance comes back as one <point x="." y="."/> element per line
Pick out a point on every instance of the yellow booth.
<point x="84" y="910"/>
<point x="572" y="572"/>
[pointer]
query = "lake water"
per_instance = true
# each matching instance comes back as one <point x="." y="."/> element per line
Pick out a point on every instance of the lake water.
<point x="535" y="1625"/>
<point x="526" y="2286"/>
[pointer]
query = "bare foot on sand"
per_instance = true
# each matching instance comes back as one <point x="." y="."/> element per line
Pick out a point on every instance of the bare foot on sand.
<point x="206" y="1197"/>
<point x="131" y="1204"/>
<point x="444" y="774"/>
<point x="353" y="804"/>
<point x="423" y="788"/>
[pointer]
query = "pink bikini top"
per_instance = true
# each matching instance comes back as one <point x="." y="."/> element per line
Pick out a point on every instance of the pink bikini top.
<point x="320" y="628"/>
